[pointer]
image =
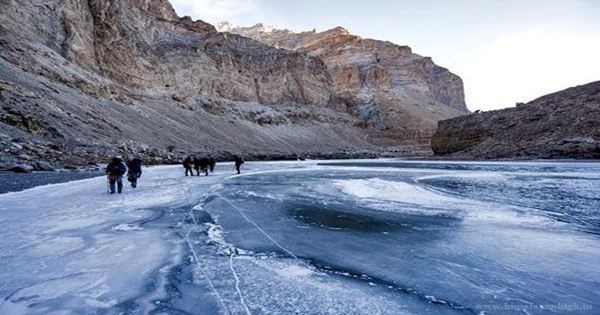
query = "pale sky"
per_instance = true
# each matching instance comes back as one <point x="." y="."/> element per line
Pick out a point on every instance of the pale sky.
<point x="506" y="51"/>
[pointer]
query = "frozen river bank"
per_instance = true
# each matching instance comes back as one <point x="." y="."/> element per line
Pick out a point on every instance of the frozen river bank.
<point x="347" y="237"/>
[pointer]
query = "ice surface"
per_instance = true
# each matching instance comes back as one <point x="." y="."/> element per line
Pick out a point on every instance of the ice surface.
<point x="342" y="237"/>
<point x="72" y="246"/>
<point x="376" y="188"/>
<point x="400" y="196"/>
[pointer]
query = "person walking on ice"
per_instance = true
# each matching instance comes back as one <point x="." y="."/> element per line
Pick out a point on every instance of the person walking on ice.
<point x="197" y="165"/>
<point x="188" y="163"/>
<point x="204" y="164"/>
<point x="134" y="171"/>
<point x="238" y="163"/>
<point x="211" y="163"/>
<point x="115" y="171"/>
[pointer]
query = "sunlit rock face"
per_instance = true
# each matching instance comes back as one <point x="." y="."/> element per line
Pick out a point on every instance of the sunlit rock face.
<point x="143" y="45"/>
<point x="82" y="80"/>
<point x="384" y="84"/>
<point x="559" y="125"/>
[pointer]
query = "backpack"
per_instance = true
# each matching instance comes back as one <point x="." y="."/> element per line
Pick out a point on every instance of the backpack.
<point x="135" y="165"/>
<point x="115" y="169"/>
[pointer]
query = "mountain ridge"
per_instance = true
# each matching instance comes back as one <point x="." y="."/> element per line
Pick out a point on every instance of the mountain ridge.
<point x="83" y="80"/>
<point x="380" y="82"/>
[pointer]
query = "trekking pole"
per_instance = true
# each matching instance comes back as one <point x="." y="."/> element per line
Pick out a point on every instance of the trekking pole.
<point x="107" y="185"/>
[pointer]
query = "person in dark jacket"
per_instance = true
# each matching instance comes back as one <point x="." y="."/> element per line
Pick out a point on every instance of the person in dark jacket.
<point x="197" y="165"/>
<point x="134" y="171"/>
<point x="188" y="164"/>
<point x="204" y="164"/>
<point x="238" y="163"/>
<point x="115" y="171"/>
<point x="211" y="164"/>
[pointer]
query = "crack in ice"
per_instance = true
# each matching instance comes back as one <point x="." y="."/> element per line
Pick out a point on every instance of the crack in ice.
<point x="212" y="286"/>
<point x="265" y="233"/>
<point x="237" y="284"/>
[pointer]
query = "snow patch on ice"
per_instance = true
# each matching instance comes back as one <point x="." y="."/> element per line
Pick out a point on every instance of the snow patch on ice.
<point x="400" y="197"/>
<point x="126" y="227"/>
<point x="410" y="198"/>
<point x="215" y="237"/>
<point x="294" y="271"/>
<point x="380" y="189"/>
<point x="250" y="193"/>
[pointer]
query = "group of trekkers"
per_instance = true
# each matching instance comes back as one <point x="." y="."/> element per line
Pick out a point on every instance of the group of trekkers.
<point x="200" y="165"/>
<point x="206" y="164"/>
<point x="116" y="169"/>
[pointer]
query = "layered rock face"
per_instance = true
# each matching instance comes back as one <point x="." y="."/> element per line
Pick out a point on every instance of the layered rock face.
<point x="386" y="85"/>
<point x="81" y="80"/>
<point x="559" y="125"/>
<point x="143" y="46"/>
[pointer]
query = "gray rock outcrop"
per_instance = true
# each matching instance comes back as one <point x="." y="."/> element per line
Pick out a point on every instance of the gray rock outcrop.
<point x="559" y="125"/>
<point x="386" y="85"/>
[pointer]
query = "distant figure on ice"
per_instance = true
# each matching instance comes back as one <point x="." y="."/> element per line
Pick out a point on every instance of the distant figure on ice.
<point x="188" y="164"/>
<point x="197" y="165"/>
<point x="211" y="164"/>
<point x="134" y="171"/>
<point x="204" y="164"/>
<point x="238" y="163"/>
<point x="115" y="171"/>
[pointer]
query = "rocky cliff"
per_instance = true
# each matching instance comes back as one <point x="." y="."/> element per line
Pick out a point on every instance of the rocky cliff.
<point x="84" y="79"/>
<point x="142" y="46"/>
<point x="386" y="85"/>
<point x="80" y="80"/>
<point x="559" y="125"/>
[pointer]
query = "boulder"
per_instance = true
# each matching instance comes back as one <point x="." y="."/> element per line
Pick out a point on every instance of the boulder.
<point x="21" y="168"/>
<point x="43" y="166"/>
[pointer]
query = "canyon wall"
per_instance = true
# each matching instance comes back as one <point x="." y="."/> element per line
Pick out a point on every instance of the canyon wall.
<point x="386" y="85"/>
<point x="81" y="80"/>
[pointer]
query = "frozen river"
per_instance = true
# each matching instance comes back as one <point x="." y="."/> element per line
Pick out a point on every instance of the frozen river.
<point x="330" y="237"/>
